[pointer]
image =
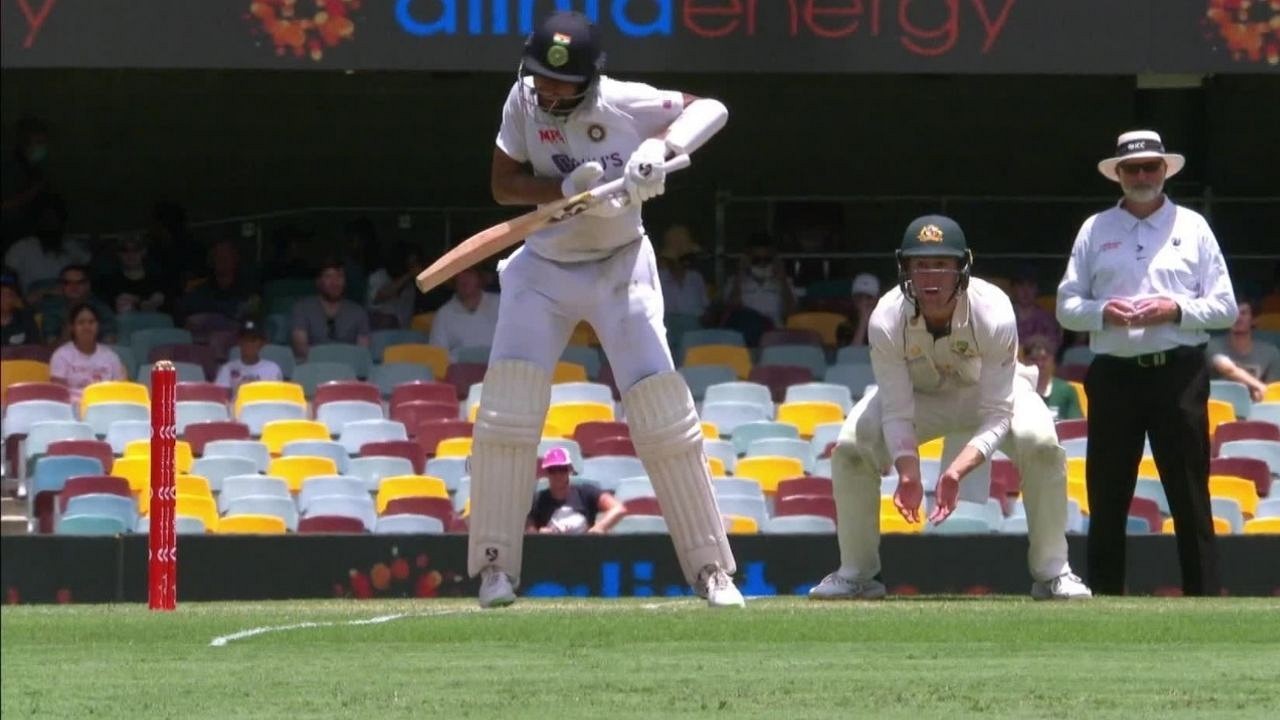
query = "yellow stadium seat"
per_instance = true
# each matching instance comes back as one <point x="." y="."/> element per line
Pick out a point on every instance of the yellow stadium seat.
<point x="137" y="470"/>
<point x="1262" y="526"/>
<point x="183" y="458"/>
<point x="466" y="509"/>
<point x="768" y="470"/>
<point x="710" y="431"/>
<point x="1077" y="491"/>
<point x="473" y="412"/>
<point x="1081" y="397"/>
<point x="567" y="416"/>
<point x="887" y="507"/>
<point x="1220" y="412"/>
<point x="422" y="322"/>
<point x="741" y="525"/>
<point x="269" y="391"/>
<point x="1076" y="470"/>
<point x="454" y="447"/>
<point x="895" y="523"/>
<point x="1221" y="526"/>
<point x="296" y="468"/>
<point x="1267" y="321"/>
<point x="1243" y="491"/>
<point x="823" y="323"/>
<point x="584" y="335"/>
<point x="808" y="415"/>
<point x="931" y="450"/>
<point x="1147" y="467"/>
<point x="183" y="484"/>
<point x="18" y="371"/>
<point x="716" y="466"/>
<point x="114" y="391"/>
<point x="251" y="524"/>
<point x="198" y="506"/>
<point x="567" y="372"/>
<point x="399" y="486"/>
<point x="551" y="431"/>
<point x="738" y="358"/>
<point x="429" y="356"/>
<point x="1273" y="393"/>
<point x="278" y="432"/>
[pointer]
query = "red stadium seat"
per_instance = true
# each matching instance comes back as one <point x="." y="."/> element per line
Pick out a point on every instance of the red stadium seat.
<point x="824" y="505"/>
<point x="407" y="449"/>
<point x="1148" y="510"/>
<point x="24" y="391"/>
<point x="779" y="377"/>
<point x="424" y="392"/>
<point x="1005" y="473"/>
<point x="591" y="430"/>
<point x="200" y="433"/>
<point x="330" y="524"/>
<point x="202" y="392"/>
<point x="86" y="484"/>
<point x="463" y="375"/>
<point x="1072" y="429"/>
<point x="611" y="446"/>
<point x="430" y="433"/>
<point x="39" y="353"/>
<point x="1244" y="430"/>
<point x="791" y="336"/>
<point x="347" y="390"/>
<point x="1248" y="468"/>
<point x="99" y="449"/>
<point x="803" y="486"/>
<point x="441" y="508"/>
<point x="415" y="412"/>
<point x="643" y="506"/>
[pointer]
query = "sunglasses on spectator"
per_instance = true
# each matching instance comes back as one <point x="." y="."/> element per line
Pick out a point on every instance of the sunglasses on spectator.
<point x="1147" y="167"/>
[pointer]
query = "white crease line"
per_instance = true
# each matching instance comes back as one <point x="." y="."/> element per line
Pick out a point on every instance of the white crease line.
<point x="222" y="640"/>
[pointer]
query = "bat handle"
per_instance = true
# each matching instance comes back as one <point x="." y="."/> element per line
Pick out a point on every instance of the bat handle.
<point x="678" y="162"/>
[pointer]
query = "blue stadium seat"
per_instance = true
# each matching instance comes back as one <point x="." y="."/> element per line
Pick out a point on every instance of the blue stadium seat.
<point x="361" y="508"/>
<point x="40" y="434"/>
<point x="216" y="469"/>
<point x="330" y="485"/>
<point x="408" y="524"/>
<point x="319" y="448"/>
<point x="91" y="525"/>
<point x="353" y="356"/>
<point x="821" y="392"/>
<point x="729" y="416"/>
<point x="371" y="470"/>
<point x="608" y="470"/>
<point x="388" y="375"/>
<point x="194" y="411"/>
<point x="20" y="416"/>
<point x="701" y="377"/>
<point x="281" y="507"/>
<point x="748" y="433"/>
<point x="357" y="433"/>
<point x="641" y="525"/>
<point x="746" y="506"/>
<point x="587" y="357"/>
<point x="798" y="525"/>
<point x="235" y="487"/>
<point x="1232" y="392"/>
<point x="742" y="392"/>
<point x="338" y="413"/>
<point x="856" y="377"/>
<point x="312" y="373"/>
<point x="784" y="447"/>
<point x="250" y="449"/>
<point x="449" y="469"/>
<point x="122" y="432"/>
<point x="723" y="450"/>
<point x="805" y="356"/>
<point x="581" y="392"/>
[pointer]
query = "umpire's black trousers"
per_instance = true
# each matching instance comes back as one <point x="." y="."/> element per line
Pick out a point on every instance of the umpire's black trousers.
<point x="1163" y="396"/>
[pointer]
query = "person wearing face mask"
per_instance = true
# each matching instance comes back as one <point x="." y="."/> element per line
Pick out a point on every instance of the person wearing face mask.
<point x="944" y="352"/>
<point x="24" y="178"/>
<point x="1147" y="280"/>
<point x="760" y="296"/>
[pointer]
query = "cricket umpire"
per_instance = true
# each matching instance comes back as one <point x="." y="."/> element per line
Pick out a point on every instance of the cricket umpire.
<point x="1146" y="279"/>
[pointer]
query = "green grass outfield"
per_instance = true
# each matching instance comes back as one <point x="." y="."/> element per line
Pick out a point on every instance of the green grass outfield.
<point x="906" y="658"/>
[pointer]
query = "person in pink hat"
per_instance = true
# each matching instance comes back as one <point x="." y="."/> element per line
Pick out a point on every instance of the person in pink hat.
<point x="568" y="508"/>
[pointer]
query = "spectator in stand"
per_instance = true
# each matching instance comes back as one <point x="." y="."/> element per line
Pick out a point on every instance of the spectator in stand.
<point x="1033" y="320"/>
<point x="760" y="296"/>
<point x="1240" y="357"/>
<point x="569" y="509"/>
<point x="136" y="284"/>
<point x="295" y="256"/>
<point x="24" y="182"/>
<point x="250" y="366"/>
<point x="391" y="288"/>
<point x="76" y="289"/>
<point x="1058" y="394"/>
<point x="359" y="251"/>
<point x="226" y="291"/>
<point x="684" y="292"/>
<point x="17" y="327"/>
<point x="866" y="293"/>
<point x="82" y="360"/>
<point x="39" y="258"/>
<point x="470" y="318"/>
<point x="171" y="248"/>
<point x="328" y="317"/>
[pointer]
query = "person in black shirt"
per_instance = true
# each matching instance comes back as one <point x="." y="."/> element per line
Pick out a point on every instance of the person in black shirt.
<point x="17" y="327"/>
<point x="568" y="508"/>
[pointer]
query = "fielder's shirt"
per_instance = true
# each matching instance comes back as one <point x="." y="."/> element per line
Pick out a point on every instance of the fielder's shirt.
<point x="980" y="352"/>
<point x="1171" y="253"/>
<point x="607" y="127"/>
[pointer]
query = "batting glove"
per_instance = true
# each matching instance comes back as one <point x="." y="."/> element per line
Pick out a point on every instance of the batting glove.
<point x="583" y="178"/>
<point x="645" y="173"/>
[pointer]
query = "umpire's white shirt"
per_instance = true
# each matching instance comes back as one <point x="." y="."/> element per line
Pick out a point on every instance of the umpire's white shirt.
<point x="976" y="362"/>
<point x="1171" y="253"/>
<point x="607" y="128"/>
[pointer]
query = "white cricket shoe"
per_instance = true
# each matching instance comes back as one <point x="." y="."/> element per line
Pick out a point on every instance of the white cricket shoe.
<point x="717" y="587"/>
<point x="1067" y="586"/>
<point x="838" y="587"/>
<point x="496" y="589"/>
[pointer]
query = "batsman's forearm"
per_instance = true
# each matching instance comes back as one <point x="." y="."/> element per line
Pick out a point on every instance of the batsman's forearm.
<point x="525" y="189"/>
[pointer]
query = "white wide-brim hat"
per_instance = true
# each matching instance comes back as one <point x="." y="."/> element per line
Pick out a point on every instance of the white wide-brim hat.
<point x="1136" y="145"/>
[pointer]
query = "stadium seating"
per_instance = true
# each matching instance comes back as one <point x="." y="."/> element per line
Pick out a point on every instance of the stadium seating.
<point x="320" y="486"/>
<point x="769" y="470"/>
<point x="276" y="433"/>
<point x="256" y="524"/>
<point x="346" y="390"/>
<point x="856" y="377"/>
<point x="281" y="355"/>
<point x="297" y="468"/>
<point x="780" y="377"/>
<point x="103" y="416"/>
<point x="729" y="416"/>
<point x="824" y="323"/>
<point x="237" y="487"/>
<point x="371" y="470"/>
<point x="334" y="415"/>
<point x="318" y="448"/>
<point x="806" y="356"/>
<point x="355" y="357"/>
<point x="408" y="524"/>
<point x="269" y="391"/>
<point x="736" y="357"/>
<point x="798" y="525"/>
<point x="747" y="433"/>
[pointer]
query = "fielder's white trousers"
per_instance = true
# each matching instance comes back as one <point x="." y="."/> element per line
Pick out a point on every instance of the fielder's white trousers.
<point x="542" y="301"/>
<point x="1032" y="445"/>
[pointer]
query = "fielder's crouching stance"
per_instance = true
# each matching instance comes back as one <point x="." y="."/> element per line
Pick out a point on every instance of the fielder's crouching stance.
<point x="943" y="350"/>
<point x="565" y="129"/>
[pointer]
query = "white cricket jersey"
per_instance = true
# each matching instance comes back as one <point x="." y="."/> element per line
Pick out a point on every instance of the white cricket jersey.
<point x="978" y="354"/>
<point x="1171" y="253"/>
<point x="607" y="128"/>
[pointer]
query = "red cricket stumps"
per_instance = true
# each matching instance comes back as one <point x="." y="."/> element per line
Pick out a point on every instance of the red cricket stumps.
<point x="163" y="537"/>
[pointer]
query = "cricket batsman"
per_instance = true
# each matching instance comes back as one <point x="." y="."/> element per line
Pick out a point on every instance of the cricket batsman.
<point x="944" y="353"/>
<point x="565" y="129"/>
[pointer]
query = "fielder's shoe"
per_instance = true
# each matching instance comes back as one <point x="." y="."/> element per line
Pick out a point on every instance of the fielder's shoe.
<point x="1067" y="586"/>
<point x="838" y="587"/>
<point x="496" y="589"/>
<point x="717" y="587"/>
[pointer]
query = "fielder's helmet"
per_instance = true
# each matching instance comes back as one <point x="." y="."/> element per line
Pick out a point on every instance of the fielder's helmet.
<point x="933" y="236"/>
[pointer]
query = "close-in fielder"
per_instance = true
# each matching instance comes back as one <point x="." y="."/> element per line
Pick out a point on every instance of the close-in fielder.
<point x="565" y="129"/>
<point x="944" y="353"/>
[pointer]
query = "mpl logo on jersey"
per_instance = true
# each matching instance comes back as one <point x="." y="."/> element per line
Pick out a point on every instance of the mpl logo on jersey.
<point x="550" y="136"/>
<point x="566" y="164"/>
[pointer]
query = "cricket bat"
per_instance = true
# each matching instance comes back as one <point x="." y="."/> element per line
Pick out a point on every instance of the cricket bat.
<point x="494" y="240"/>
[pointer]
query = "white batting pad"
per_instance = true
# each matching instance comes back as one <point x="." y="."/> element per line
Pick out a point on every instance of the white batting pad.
<point x="513" y="408"/>
<point x="668" y="439"/>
